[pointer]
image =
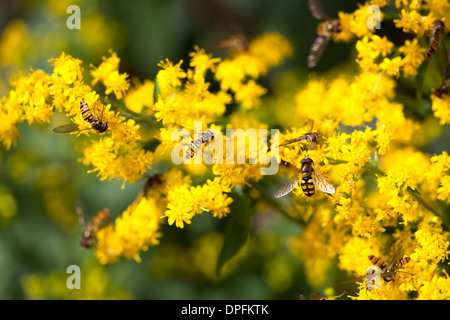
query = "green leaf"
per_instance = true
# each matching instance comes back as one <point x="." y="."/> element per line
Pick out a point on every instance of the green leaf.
<point x="237" y="230"/>
<point x="156" y="91"/>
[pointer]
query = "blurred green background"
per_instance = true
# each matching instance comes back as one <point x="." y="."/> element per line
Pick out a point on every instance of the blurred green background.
<point x="40" y="178"/>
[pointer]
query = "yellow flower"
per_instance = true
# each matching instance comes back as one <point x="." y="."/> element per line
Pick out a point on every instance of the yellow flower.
<point x="66" y="69"/>
<point x="346" y="34"/>
<point x="108" y="73"/>
<point x="358" y="24"/>
<point x="249" y="94"/>
<point x="412" y="21"/>
<point x="370" y="49"/>
<point x="413" y="57"/>
<point x="169" y="77"/>
<point x="444" y="190"/>
<point x="180" y="208"/>
<point x="441" y="108"/>
<point x="202" y="62"/>
<point x="135" y="230"/>
<point x="264" y="52"/>
<point x="392" y="66"/>
<point x="140" y="98"/>
<point x="272" y="48"/>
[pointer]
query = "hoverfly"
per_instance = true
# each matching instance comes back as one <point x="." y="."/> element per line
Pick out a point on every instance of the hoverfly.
<point x="310" y="178"/>
<point x="324" y="31"/>
<point x="89" y="231"/>
<point x="312" y="137"/>
<point x="437" y="34"/>
<point x="203" y="140"/>
<point x="387" y="271"/>
<point x="319" y="296"/>
<point x="86" y="113"/>
<point x="236" y="42"/>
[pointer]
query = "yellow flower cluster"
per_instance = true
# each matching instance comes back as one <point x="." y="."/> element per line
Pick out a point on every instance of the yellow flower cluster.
<point x="36" y="96"/>
<point x="385" y="187"/>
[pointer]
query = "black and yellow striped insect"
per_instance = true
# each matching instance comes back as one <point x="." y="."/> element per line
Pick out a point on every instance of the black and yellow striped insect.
<point x="96" y="124"/>
<point x="89" y="231"/>
<point x="310" y="179"/>
<point x="385" y="271"/>
<point x="437" y="35"/>
<point x="388" y="271"/>
<point x="197" y="144"/>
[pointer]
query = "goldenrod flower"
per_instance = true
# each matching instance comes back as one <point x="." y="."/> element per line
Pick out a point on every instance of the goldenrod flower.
<point x="169" y="77"/>
<point x="135" y="230"/>
<point x="412" y="21"/>
<point x="140" y="97"/>
<point x="108" y="73"/>
<point x="249" y="94"/>
<point x="441" y="108"/>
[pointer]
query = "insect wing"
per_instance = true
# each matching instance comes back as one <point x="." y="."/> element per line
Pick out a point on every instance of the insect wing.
<point x="79" y="208"/>
<point x="104" y="218"/>
<point x="398" y="254"/>
<point x="353" y="280"/>
<point x="316" y="51"/>
<point x="288" y="186"/>
<point x="317" y="10"/>
<point x="288" y="142"/>
<point x="321" y="183"/>
<point x="66" y="128"/>
<point x="437" y="34"/>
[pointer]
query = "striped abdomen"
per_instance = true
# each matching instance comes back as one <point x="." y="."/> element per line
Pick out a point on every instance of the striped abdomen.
<point x="378" y="262"/>
<point x="205" y="139"/>
<point x="86" y="112"/>
<point x="97" y="223"/>
<point x="436" y="36"/>
<point x="307" y="182"/>
<point x="307" y="185"/>
<point x="193" y="148"/>
<point x="395" y="266"/>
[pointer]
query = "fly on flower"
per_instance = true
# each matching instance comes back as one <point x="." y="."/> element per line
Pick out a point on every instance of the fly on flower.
<point x="311" y="137"/>
<point x="96" y="124"/>
<point x="386" y="271"/>
<point x="89" y="231"/>
<point x="197" y="144"/>
<point x="437" y="35"/>
<point x="310" y="178"/>
<point x="324" y="30"/>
